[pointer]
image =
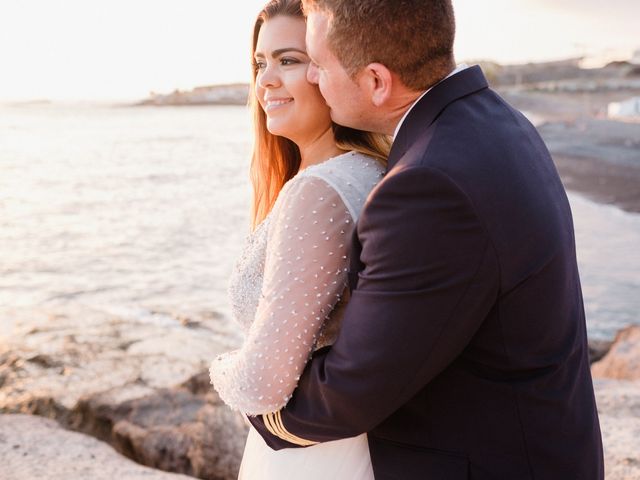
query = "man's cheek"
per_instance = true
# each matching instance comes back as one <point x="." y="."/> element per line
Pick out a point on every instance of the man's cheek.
<point x="323" y="90"/>
<point x="327" y="90"/>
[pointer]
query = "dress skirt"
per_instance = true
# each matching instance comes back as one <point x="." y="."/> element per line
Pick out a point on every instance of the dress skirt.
<point x="346" y="459"/>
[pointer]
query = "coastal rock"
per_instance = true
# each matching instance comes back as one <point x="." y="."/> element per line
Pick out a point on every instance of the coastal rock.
<point x="36" y="448"/>
<point x="185" y="429"/>
<point x="140" y="383"/>
<point x="598" y="349"/>
<point x="619" y="411"/>
<point x="617" y="388"/>
<point x="623" y="359"/>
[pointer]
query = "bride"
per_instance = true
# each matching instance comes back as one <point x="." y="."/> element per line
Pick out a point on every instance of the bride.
<point x="310" y="180"/>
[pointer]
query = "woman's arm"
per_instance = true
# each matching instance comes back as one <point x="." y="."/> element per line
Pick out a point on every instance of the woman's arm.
<point x="305" y="275"/>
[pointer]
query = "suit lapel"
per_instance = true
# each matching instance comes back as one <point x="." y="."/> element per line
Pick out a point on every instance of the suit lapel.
<point x="425" y="112"/>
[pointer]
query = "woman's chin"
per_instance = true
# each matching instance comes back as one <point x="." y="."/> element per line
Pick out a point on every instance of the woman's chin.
<point x="277" y="128"/>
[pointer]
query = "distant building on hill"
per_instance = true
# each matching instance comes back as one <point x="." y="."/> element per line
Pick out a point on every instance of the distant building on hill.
<point x="538" y="72"/>
<point x="233" y="94"/>
<point x="627" y="109"/>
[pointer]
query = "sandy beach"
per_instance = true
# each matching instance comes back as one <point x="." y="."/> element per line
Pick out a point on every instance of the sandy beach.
<point x="595" y="156"/>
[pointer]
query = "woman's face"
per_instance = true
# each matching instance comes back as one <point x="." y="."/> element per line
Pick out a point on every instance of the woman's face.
<point x="294" y="107"/>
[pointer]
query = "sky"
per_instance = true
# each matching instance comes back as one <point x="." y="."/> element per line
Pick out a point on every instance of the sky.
<point x="125" y="49"/>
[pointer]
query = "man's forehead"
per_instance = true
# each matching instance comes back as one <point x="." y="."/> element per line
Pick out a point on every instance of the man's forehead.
<point x="318" y="22"/>
<point x="316" y="33"/>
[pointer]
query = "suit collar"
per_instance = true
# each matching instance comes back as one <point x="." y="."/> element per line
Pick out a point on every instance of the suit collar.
<point x="459" y="68"/>
<point x="427" y="109"/>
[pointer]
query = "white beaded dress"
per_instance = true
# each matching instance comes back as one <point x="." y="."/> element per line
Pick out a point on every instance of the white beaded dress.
<point x="286" y="294"/>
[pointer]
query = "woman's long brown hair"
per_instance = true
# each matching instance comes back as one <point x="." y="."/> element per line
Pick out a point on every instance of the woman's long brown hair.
<point x="276" y="159"/>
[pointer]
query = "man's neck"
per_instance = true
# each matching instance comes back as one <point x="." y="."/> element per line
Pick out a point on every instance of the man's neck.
<point x="419" y="96"/>
<point x="403" y="102"/>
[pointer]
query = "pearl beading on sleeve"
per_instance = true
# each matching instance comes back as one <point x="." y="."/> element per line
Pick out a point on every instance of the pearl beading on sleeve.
<point x="306" y="239"/>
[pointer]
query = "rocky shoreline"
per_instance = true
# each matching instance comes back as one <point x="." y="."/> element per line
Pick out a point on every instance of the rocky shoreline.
<point x="617" y="386"/>
<point x="135" y="395"/>
<point x="140" y="386"/>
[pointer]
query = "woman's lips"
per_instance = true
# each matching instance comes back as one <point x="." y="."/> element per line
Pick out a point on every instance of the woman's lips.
<point x="274" y="103"/>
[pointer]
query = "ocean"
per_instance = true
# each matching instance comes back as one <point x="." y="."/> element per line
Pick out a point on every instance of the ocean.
<point x="132" y="210"/>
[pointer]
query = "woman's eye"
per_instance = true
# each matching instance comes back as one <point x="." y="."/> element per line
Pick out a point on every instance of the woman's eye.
<point x="259" y="65"/>
<point x="288" y="61"/>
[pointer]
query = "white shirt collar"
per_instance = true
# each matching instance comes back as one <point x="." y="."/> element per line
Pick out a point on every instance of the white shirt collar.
<point x="458" y="69"/>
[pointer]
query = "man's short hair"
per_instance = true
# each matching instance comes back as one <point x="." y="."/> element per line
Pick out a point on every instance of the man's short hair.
<point x="413" y="38"/>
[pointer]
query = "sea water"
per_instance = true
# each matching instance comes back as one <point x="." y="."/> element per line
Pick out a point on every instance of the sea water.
<point x="132" y="210"/>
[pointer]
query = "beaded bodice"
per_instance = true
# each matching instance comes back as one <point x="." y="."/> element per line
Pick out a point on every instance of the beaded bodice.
<point x="245" y="282"/>
<point x="286" y="290"/>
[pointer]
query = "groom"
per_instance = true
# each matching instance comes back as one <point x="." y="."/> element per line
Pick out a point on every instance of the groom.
<point x="463" y="349"/>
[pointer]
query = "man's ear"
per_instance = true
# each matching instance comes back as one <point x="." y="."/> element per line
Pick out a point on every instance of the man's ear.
<point x="378" y="81"/>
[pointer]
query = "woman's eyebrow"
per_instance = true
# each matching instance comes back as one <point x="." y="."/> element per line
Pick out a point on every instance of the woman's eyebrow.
<point x="280" y="51"/>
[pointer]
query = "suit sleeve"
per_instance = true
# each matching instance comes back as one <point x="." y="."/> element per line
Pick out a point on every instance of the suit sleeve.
<point x="430" y="278"/>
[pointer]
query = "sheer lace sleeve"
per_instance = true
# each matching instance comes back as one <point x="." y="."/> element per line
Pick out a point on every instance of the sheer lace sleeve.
<point x="305" y="275"/>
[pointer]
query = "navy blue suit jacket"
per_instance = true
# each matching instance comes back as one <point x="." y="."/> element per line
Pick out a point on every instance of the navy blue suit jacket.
<point x="463" y="349"/>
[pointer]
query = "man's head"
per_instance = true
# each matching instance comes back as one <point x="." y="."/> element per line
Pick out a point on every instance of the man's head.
<point x="373" y="56"/>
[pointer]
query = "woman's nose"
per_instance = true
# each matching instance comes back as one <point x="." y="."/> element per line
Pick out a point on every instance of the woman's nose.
<point x="268" y="77"/>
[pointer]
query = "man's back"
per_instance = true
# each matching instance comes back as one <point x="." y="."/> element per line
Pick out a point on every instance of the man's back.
<point x="517" y="401"/>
